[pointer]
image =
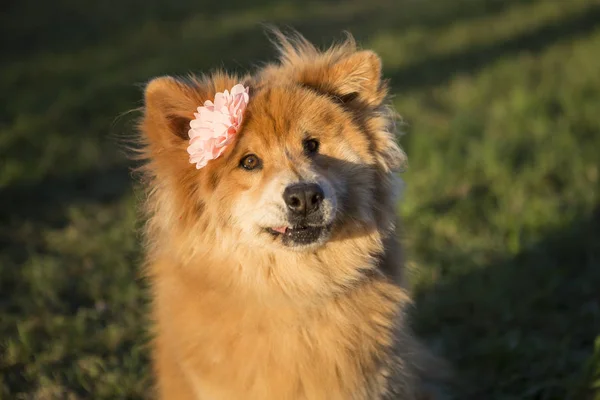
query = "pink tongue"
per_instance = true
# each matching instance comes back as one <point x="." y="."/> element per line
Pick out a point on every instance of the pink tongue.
<point x="280" y="229"/>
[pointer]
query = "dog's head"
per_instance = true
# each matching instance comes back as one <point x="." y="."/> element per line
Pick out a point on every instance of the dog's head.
<point x="313" y="161"/>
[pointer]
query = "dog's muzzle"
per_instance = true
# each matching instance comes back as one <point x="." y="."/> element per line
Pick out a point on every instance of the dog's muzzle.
<point x="304" y="203"/>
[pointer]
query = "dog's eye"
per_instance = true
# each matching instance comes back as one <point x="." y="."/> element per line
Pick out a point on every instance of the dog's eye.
<point x="311" y="146"/>
<point x="250" y="162"/>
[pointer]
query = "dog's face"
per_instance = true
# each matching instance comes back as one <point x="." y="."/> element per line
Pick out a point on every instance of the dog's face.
<point x="290" y="175"/>
<point x="311" y="161"/>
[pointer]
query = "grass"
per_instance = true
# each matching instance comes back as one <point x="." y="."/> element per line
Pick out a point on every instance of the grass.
<point x="502" y="209"/>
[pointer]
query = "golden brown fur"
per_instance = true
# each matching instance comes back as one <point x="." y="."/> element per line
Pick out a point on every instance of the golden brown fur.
<point x="239" y="316"/>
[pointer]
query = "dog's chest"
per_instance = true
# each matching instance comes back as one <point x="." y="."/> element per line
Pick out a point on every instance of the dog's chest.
<point x="277" y="356"/>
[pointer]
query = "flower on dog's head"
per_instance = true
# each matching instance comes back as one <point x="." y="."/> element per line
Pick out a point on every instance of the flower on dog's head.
<point x="216" y="124"/>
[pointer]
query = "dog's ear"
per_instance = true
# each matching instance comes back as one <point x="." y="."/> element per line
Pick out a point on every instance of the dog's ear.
<point x="354" y="77"/>
<point x="343" y="72"/>
<point x="358" y="76"/>
<point x="169" y="107"/>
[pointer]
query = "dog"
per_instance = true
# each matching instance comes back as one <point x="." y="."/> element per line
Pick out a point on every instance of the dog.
<point x="274" y="265"/>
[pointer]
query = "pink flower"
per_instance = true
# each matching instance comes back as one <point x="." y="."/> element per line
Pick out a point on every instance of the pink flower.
<point x="216" y="124"/>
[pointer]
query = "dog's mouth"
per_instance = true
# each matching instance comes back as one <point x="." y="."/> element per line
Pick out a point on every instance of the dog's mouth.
<point x="298" y="235"/>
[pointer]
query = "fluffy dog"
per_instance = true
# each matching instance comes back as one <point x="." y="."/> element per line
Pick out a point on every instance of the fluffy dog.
<point x="274" y="268"/>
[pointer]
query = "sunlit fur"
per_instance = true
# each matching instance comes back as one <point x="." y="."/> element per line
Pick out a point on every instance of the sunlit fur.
<point x="240" y="315"/>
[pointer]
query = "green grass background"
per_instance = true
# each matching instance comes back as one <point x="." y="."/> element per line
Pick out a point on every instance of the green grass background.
<point x="501" y="104"/>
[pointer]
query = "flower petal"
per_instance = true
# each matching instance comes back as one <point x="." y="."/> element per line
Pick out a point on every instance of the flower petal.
<point x="216" y="124"/>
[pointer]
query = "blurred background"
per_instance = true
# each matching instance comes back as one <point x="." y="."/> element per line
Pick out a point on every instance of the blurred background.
<point x="501" y="104"/>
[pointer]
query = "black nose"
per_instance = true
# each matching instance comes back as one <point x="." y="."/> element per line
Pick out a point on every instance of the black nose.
<point x="303" y="198"/>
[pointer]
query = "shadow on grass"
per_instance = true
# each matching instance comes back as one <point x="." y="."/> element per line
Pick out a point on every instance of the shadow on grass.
<point x="46" y="204"/>
<point x="70" y="26"/>
<point x="43" y="201"/>
<point x="436" y="70"/>
<point x="520" y="327"/>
